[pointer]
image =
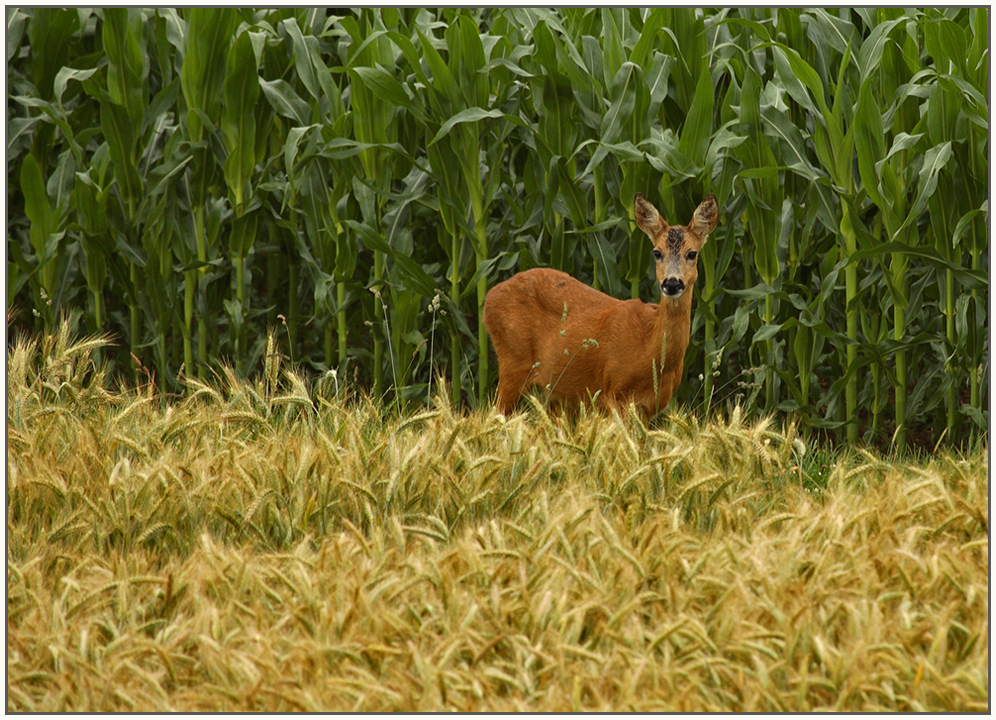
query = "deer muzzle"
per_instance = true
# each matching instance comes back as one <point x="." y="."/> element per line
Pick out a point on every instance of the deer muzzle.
<point x="672" y="287"/>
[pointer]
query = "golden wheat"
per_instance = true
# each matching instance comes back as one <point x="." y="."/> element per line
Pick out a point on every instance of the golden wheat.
<point x="257" y="547"/>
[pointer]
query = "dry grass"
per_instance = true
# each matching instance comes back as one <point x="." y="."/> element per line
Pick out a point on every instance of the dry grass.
<point x="261" y="547"/>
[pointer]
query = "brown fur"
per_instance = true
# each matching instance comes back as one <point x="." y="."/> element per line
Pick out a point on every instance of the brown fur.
<point x="538" y="344"/>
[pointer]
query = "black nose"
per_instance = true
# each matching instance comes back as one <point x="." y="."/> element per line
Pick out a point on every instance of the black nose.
<point x="673" y="286"/>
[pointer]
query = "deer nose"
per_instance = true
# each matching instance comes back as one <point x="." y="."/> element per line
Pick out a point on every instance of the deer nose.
<point x="672" y="287"/>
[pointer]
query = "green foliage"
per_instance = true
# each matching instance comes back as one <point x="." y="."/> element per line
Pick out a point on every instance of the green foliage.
<point x="187" y="180"/>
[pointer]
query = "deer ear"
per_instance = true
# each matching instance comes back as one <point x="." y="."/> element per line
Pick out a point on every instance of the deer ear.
<point x="705" y="217"/>
<point x="647" y="217"/>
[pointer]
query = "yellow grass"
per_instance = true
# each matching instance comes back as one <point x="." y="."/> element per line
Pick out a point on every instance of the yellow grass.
<point x="262" y="547"/>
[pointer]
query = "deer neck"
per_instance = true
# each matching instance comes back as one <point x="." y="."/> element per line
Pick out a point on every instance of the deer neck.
<point x="671" y="330"/>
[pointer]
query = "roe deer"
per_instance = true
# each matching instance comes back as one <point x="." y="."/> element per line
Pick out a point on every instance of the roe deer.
<point x="552" y="331"/>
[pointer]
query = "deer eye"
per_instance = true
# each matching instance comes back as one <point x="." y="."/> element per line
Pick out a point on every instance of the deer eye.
<point x="692" y="254"/>
<point x="658" y="255"/>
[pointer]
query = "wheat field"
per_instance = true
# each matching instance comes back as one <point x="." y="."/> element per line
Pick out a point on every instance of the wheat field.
<point x="276" y="545"/>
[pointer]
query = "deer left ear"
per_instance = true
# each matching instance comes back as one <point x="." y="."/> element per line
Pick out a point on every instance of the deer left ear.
<point x="705" y="217"/>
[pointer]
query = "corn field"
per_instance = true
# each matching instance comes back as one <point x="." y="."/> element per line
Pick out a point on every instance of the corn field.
<point x="188" y="180"/>
<point x="267" y="545"/>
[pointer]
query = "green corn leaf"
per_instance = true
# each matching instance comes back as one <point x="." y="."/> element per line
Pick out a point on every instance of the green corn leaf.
<point x="661" y="151"/>
<point x="695" y="135"/>
<point x="790" y="81"/>
<point x="658" y="76"/>
<point x="837" y="31"/>
<point x="238" y="121"/>
<point x="16" y="23"/>
<point x="869" y="142"/>
<point x="943" y="107"/>
<point x="559" y="57"/>
<point x="92" y="213"/>
<point x="49" y="34"/>
<point x="902" y="142"/>
<point x="243" y="235"/>
<point x="752" y="25"/>
<point x="811" y="80"/>
<point x="614" y="53"/>
<point x="790" y="142"/>
<point x="202" y="77"/>
<point x="329" y="90"/>
<point x="466" y="60"/>
<point x="285" y="101"/>
<point x="686" y="30"/>
<point x="947" y="44"/>
<point x="624" y="91"/>
<point x="762" y="188"/>
<point x="935" y="159"/>
<point x="648" y="37"/>
<point x="291" y="149"/>
<point x="557" y="127"/>
<point x="385" y="86"/>
<point x="966" y="94"/>
<point x="571" y="194"/>
<point x="766" y="332"/>
<point x="442" y="80"/>
<point x="625" y="118"/>
<point x="472" y="115"/>
<point x="605" y="253"/>
<point x="412" y="58"/>
<point x="128" y="64"/>
<point x="37" y="206"/>
<point x="410" y="269"/>
<point x="20" y="127"/>
<point x="120" y="135"/>
<point x="305" y="69"/>
<point x="963" y="226"/>
<point x="870" y="54"/>
<point x="160" y="179"/>
<point x="346" y="254"/>
<point x="488" y="269"/>
<point x="63" y="77"/>
<point x="977" y="279"/>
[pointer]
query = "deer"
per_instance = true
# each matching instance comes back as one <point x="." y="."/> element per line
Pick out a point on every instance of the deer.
<point x="552" y="331"/>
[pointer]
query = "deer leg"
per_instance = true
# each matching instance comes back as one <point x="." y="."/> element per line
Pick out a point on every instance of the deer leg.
<point x="506" y="399"/>
<point x="510" y="389"/>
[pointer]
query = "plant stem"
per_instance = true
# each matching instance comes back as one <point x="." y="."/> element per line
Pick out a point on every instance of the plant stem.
<point x="201" y="239"/>
<point x="98" y="306"/>
<point x="240" y="296"/>
<point x="976" y="367"/>
<point x="483" y="360"/>
<point x="899" y="332"/>
<point x="135" y="318"/>
<point x="340" y="293"/>
<point x="876" y="371"/>
<point x="879" y="332"/>
<point x="851" y="291"/>
<point x="189" y="288"/>
<point x="328" y="343"/>
<point x="272" y="276"/>
<point x="949" y="312"/>
<point x="769" y="350"/>
<point x="599" y="217"/>
<point x="292" y="309"/>
<point x="457" y="389"/>
<point x="710" y="341"/>
<point x="378" y="329"/>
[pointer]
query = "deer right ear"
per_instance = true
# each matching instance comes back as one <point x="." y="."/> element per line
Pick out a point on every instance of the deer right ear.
<point x="647" y="217"/>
